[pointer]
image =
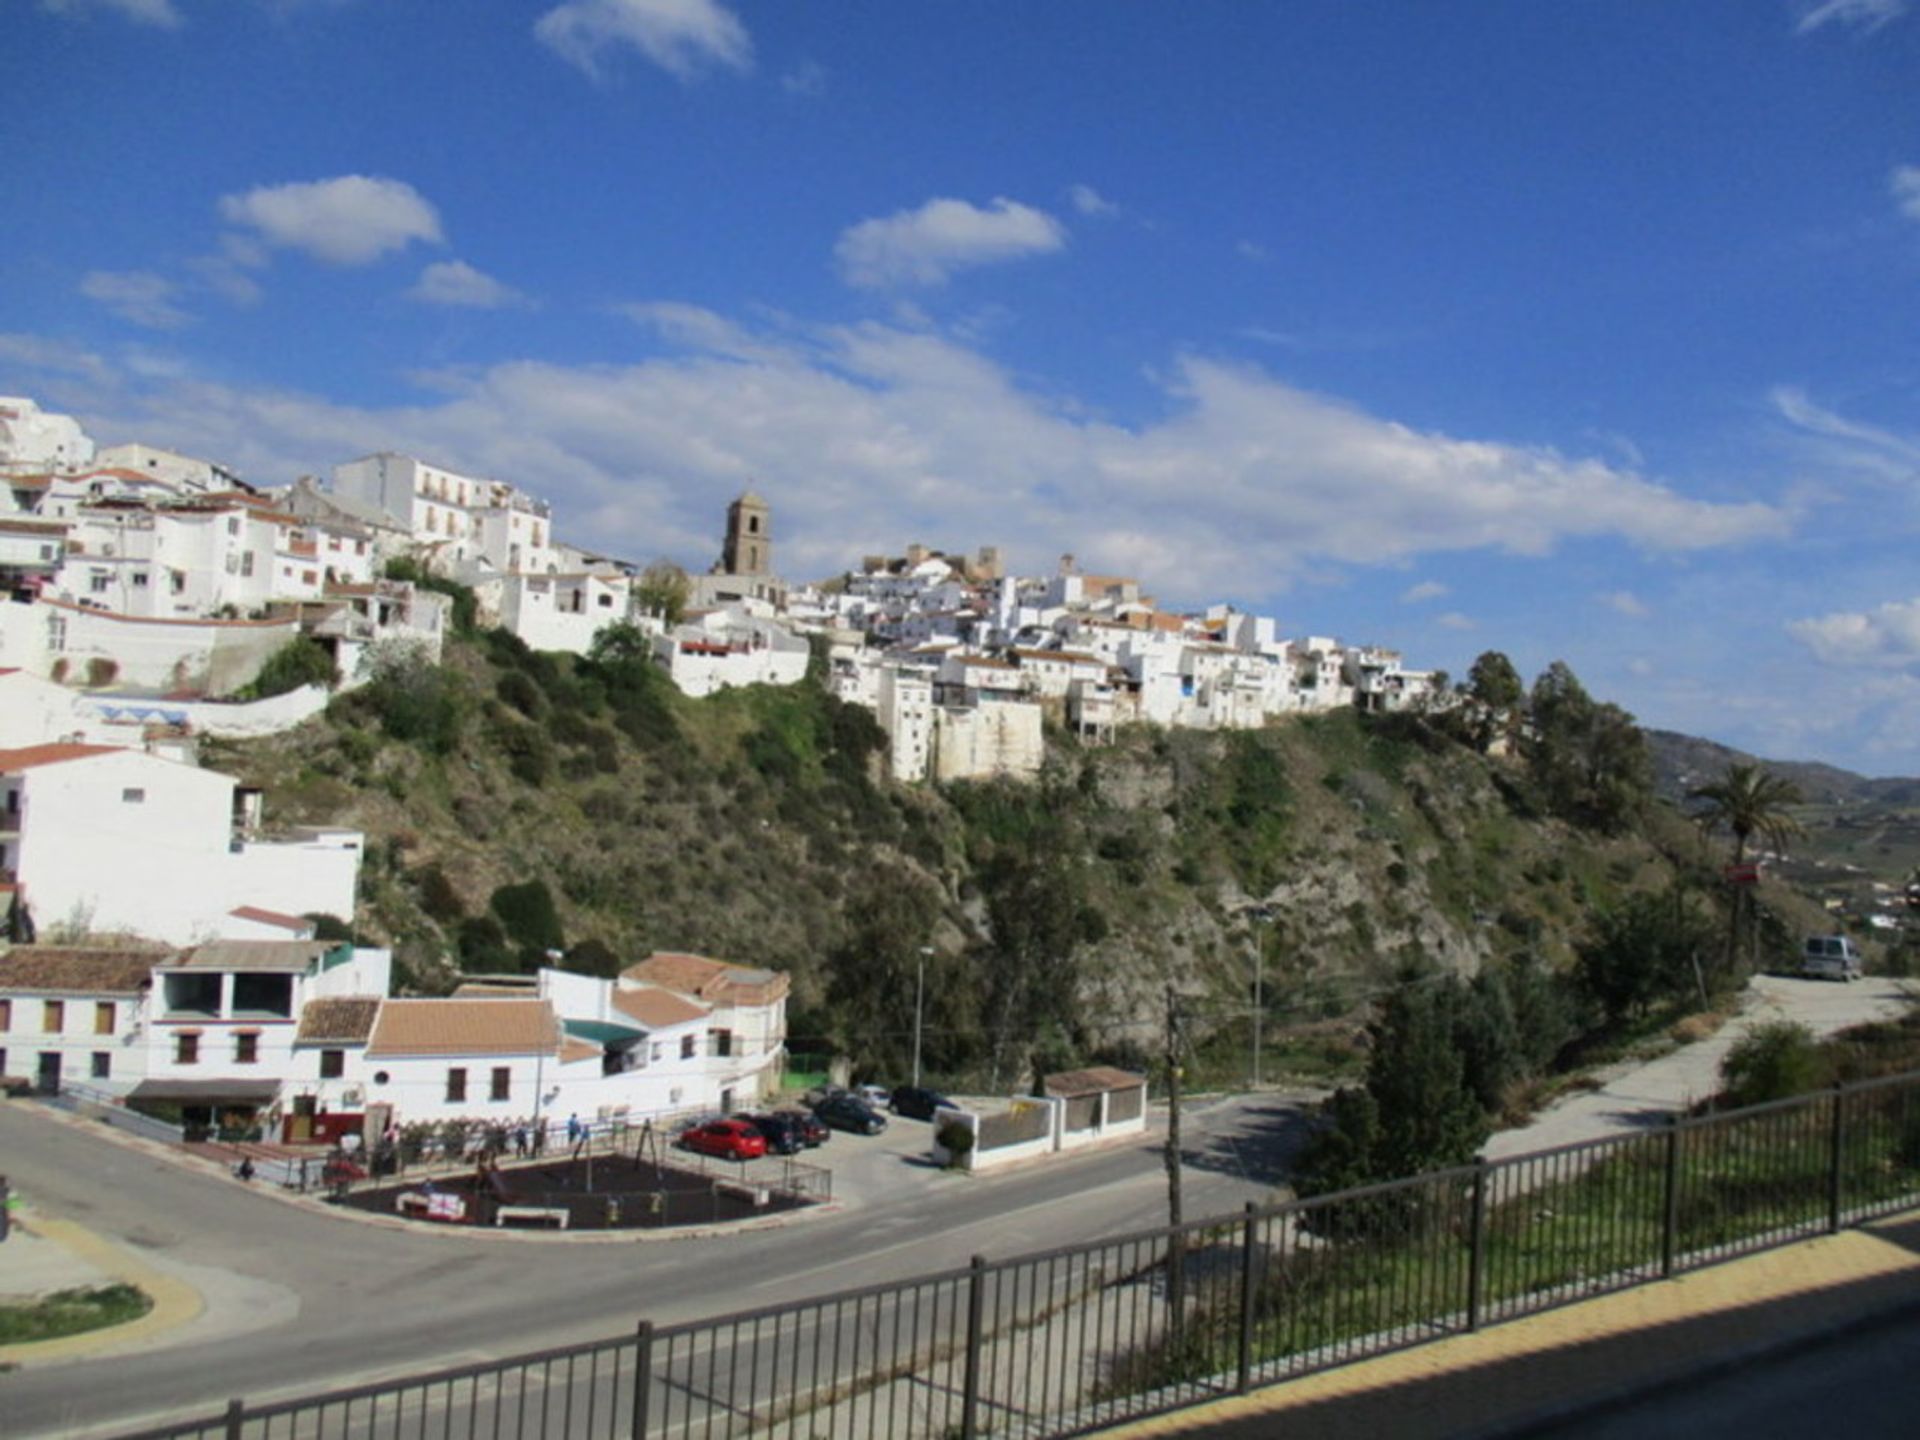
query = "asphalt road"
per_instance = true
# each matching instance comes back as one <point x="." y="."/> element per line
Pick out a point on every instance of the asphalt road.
<point x="300" y="1298"/>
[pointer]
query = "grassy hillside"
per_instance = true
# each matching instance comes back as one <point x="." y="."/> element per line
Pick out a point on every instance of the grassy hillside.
<point x="517" y="803"/>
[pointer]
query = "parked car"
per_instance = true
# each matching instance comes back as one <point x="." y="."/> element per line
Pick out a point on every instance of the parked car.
<point x="728" y="1139"/>
<point x="781" y="1132"/>
<point x="874" y="1097"/>
<point x="917" y="1103"/>
<point x="812" y="1132"/>
<point x="1830" y="957"/>
<point x="846" y="1112"/>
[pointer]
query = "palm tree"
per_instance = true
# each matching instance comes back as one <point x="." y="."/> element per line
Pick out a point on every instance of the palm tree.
<point x="1747" y="801"/>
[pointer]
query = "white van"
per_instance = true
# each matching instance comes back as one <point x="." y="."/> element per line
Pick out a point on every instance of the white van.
<point x="1830" y="957"/>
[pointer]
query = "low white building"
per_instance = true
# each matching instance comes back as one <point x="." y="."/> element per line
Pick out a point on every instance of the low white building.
<point x="564" y="612"/>
<point x="35" y="440"/>
<point x="727" y="648"/>
<point x="74" y="1014"/>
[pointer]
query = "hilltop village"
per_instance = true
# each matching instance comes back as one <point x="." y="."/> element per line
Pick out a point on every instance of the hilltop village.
<point x="154" y="599"/>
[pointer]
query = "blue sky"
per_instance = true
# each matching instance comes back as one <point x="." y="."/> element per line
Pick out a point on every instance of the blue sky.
<point x="1581" y="331"/>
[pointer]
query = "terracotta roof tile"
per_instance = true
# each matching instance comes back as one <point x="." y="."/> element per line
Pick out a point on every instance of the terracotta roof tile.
<point x="657" y="1009"/>
<point x="343" y="1020"/>
<point x="715" y="981"/>
<point x="119" y="971"/>
<point x="272" y="917"/>
<point x="465" y="1027"/>
<point x="29" y="756"/>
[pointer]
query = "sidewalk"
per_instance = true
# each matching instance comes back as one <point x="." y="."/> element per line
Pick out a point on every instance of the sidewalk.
<point x="44" y="1254"/>
<point x="1529" y="1376"/>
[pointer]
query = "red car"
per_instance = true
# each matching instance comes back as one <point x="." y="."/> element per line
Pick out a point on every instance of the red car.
<point x="728" y="1139"/>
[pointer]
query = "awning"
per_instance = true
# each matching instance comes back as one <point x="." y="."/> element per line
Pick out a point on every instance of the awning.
<point x="207" y="1092"/>
<point x="603" y="1032"/>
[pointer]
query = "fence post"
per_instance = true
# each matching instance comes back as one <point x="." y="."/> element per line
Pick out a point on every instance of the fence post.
<point x="1477" y="1241"/>
<point x="1249" y="1237"/>
<point x="1670" y="1201"/>
<point x="236" y="1413"/>
<point x="642" y="1378"/>
<point x="1836" y="1147"/>
<point x="976" y="1321"/>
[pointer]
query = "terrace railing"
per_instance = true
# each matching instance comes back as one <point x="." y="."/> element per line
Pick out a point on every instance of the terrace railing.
<point x="1069" y="1340"/>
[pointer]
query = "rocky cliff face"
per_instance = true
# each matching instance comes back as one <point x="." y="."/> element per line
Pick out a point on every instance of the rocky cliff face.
<point x="618" y="817"/>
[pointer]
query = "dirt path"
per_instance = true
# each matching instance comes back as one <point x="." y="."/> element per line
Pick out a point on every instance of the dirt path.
<point x="1630" y="1092"/>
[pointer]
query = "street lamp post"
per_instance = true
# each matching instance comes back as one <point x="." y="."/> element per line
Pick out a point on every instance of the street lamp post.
<point x="919" y="1007"/>
<point x="1259" y="915"/>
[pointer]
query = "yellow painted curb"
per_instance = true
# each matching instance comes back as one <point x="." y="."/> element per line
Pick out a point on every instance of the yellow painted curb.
<point x="174" y="1301"/>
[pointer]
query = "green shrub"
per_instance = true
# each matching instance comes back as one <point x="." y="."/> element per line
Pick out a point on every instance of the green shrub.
<point x="437" y="895"/>
<point x="301" y="661"/>
<point x="518" y="689"/>
<point x="1773" y="1062"/>
<point x="528" y="913"/>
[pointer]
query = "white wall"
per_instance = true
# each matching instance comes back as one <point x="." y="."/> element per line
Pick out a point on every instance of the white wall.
<point x="26" y="1037"/>
<point x="162" y="865"/>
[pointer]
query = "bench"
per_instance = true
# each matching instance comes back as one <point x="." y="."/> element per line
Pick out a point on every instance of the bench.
<point x="752" y="1194"/>
<point x="555" y="1216"/>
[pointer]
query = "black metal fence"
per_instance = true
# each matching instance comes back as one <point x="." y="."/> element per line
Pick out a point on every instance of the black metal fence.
<point x="1070" y="1340"/>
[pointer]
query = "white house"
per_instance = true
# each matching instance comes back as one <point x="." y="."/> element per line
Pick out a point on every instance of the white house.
<point x="563" y="612"/>
<point x="461" y="524"/>
<point x="108" y="840"/>
<point x="35" y="440"/>
<point x="74" y="1014"/>
<point x="722" y="649"/>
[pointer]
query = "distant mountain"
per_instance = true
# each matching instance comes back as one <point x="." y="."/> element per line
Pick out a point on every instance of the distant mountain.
<point x="1682" y="762"/>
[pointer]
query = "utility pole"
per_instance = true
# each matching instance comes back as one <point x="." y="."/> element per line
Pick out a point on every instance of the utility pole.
<point x="919" y="1008"/>
<point x="1258" y="915"/>
<point x="1176" y="1241"/>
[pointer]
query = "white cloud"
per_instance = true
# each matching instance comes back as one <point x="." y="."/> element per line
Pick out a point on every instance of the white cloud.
<point x="1888" y="636"/>
<point x="925" y="246"/>
<point x="1248" y="250"/>
<point x="146" y="12"/>
<point x="139" y="296"/>
<point x="348" y="220"/>
<point x="1454" y="620"/>
<point x="1625" y="602"/>
<point x="1424" y="591"/>
<point x="1904" y="182"/>
<point x="1840" y="443"/>
<point x="1089" y="201"/>
<point x="865" y="436"/>
<point x="454" y="282"/>
<point x="1863" y="15"/>
<point x="680" y="36"/>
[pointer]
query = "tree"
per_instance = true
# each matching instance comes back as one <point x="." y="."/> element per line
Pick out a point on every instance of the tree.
<point x="1493" y="685"/>
<point x="1645" y="951"/>
<point x="301" y="661"/>
<point x="1748" y="801"/>
<point x="663" y="591"/>
<point x="1589" y="759"/>
<point x="1434" y="1054"/>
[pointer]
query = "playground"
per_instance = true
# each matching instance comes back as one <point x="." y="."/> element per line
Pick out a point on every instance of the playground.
<point x="620" y="1190"/>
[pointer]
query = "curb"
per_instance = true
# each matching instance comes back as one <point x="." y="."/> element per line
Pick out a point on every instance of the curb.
<point x="175" y="1303"/>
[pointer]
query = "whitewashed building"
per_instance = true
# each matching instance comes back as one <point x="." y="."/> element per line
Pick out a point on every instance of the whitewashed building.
<point x="115" y="841"/>
<point x="33" y="440"/>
